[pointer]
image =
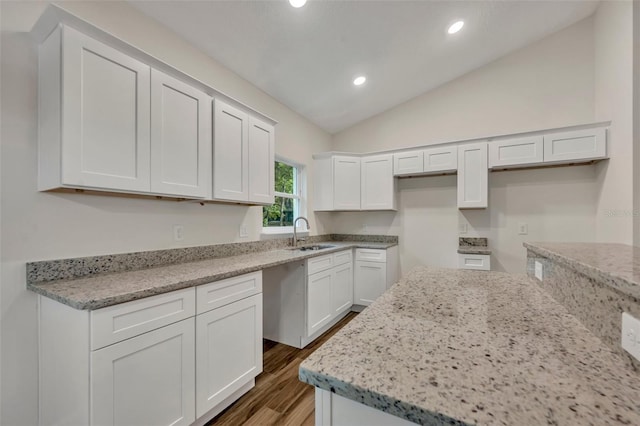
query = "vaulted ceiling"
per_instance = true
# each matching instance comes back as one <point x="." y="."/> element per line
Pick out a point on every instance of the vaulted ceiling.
<point x="307" y="58"/>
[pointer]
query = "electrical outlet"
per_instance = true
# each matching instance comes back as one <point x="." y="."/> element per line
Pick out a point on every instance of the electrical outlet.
<point x="243" y="232"/>
<point x="178" y="232"/>
<point x="523" y="228"/>
<point x="631" y="335"/>
<point x="462" y="228"/>
<point x="538" y="270"/>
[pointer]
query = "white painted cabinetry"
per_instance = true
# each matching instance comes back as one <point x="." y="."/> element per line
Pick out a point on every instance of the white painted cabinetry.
<point x="243" y="156"/>
<point x="148" y="379"/>
<point x="181" y="138"/>
<point x="342" y="287"/>
<point x="94" y="116"/>
<point x="375" y="270"/>
<point x="378" y="185"/>
<point x="346" y="183"/>
<point x="526" y="151"/>
<point x="575" y="145"/>
<point x="408" y="163"/>
<point x="441" y="159"/>
<point x="161" y="360"/>
<point x="319" y="303"/>
<point x="473" y="176"/>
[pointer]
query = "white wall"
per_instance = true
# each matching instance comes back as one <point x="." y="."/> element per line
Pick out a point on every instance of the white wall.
<point x="613" y="24"/>
<point x="547" y="84"/>
<point x="36" y="226"/>
<point x="636" y="123"/>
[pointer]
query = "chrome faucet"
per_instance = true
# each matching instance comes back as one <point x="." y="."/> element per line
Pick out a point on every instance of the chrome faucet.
<point x="295" y="233"/>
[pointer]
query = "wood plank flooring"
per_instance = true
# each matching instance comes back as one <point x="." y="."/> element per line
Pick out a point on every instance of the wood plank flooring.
<point x="278" y="398"/>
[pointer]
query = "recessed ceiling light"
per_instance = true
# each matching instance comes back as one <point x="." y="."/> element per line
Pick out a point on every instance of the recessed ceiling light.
<point x="359" y="81"/>
<point x="297" y="3"/>
<point x="455" y="27"/>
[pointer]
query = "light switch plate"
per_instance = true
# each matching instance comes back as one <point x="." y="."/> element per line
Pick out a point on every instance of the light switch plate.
<point x="178" y="232"/>
<point x="462" y="228"/>
<point x="631" y="335"/>
<point x="523" y="228"/>
<point x="538" y="270"/>
<point x="243" y="232"/>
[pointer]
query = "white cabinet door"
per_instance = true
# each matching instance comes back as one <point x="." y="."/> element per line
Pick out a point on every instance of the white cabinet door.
<point x="180" y="138"/>
<point x="342" y="290"/>
<point x="408" y="163"/>
<point x="574" y="145"/>
<point x="441" y="160"/>
<point x="146" y="380"/>
<point x="228" y="350"/>
<point x="261" y="162"/>
<point x="346" y="183"/>
<point x="377" y="183"/>
<point x="370" y="281"/>
<point x="106" y="109"/>
<point x="512" y="152"/>
<point x="230" y="153"/>
<point x="319" y="303"/>
<point x="473" y="191"/>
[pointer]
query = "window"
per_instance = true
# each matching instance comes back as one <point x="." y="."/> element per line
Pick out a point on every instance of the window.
<point x="278" y="217"/>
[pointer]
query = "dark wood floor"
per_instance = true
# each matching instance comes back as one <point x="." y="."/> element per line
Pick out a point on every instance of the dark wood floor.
<point x="278" y="398"/>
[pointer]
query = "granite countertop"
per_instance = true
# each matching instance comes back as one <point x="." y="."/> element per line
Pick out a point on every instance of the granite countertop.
<point x="109" y="289"/>
<point x="461" y="347"/>
<point x="617" y="265"/>
<point x="473" y="245"/>
<point x="473" y="250"/>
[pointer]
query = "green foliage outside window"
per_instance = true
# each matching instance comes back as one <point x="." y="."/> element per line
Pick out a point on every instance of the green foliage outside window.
<point x="281" y="212"/>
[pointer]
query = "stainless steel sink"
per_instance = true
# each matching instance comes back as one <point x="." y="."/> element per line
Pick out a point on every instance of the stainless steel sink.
<point x="314" y="247"/>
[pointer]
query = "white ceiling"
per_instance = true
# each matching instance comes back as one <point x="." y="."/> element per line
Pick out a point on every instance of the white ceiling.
<point x="307" y="58"/>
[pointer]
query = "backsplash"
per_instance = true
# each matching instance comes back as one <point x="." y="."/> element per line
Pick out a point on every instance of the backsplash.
<point x="52" y="270"/>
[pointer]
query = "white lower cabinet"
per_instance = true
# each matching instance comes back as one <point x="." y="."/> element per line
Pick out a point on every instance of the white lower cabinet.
<point x="228" y="351"/>
<point x="146" y="380"/>
<point x="152" y="361"/>
<point x="375" y="271"/>
<point x="319" y="306"/>
<point x="342" y="287"/>
<point x="371" y="281"/>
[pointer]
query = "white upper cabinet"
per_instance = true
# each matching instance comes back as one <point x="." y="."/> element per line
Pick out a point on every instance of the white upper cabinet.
<point x="441" y="159"/>
<point x="408" y="163"/>
<point x="525" y="151"/>
<point x="261" y="161"/>
<point x="378" y="183"/>
<point x="181" y="138"/>
<point x="346" y="183"/>
<point x="473" y="191"/>
<point x="567" y="147"/>
<point x="230" y="153"/>
<point x="94" y="115"/>
<point x="243" y="156"/>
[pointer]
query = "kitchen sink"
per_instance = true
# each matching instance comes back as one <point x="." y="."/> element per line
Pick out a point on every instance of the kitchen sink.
<point x="314" y="247"/>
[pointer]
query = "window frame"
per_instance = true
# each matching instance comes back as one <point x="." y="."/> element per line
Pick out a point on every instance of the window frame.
<point x="299" y="197"/>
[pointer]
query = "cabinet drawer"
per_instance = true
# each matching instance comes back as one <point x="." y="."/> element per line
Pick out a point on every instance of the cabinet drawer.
<point x="220" y="293"/>
<point x="408" y="163"/>
<point x="371" y="255"/>
<point x="480" y="262"/>
<point x="342" y="257"/>
<point x="119" y="322"/>
<point x="320" y="263"/>
<point x="512" y="152"/>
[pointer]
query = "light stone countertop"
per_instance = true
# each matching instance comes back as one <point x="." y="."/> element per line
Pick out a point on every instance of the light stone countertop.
<point x="461" y="347"/>
<point x="616" y="265"/>
<point x="109" y="289"/>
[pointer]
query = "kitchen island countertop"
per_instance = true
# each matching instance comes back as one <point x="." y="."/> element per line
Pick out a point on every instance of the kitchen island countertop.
<point x="472" y="347"/>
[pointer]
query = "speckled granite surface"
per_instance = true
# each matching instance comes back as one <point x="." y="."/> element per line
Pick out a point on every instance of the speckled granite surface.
<point x="616" y="265"/>
<point x="465" y="347"/>
<point x="103" y="290"/>
<point x="473" y="245"/>
<point x="596" y="302"/>
<point x="64" y="269"/>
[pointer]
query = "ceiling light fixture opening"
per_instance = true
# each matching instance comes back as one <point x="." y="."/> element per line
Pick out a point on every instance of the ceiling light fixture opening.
<point x="297" y="3"/>
<point x="359" y="81"/>
<point x="455" y="27"/>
